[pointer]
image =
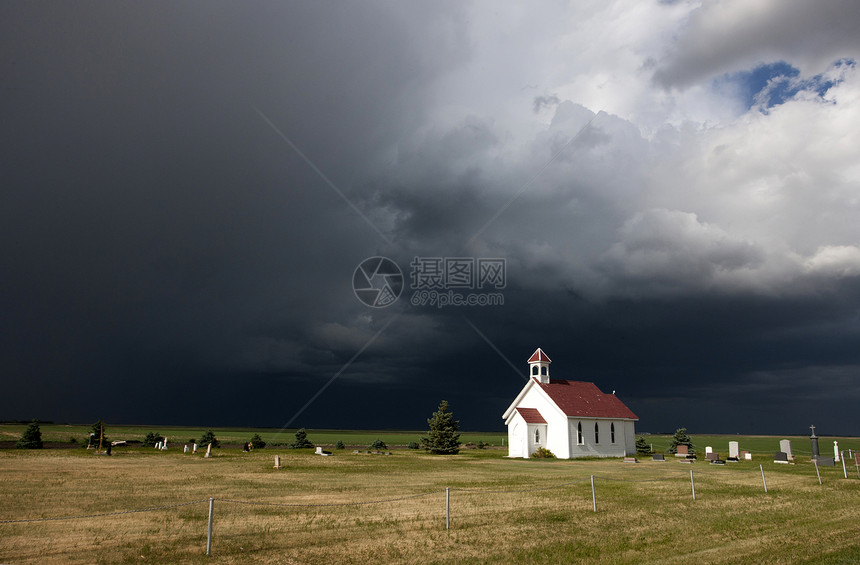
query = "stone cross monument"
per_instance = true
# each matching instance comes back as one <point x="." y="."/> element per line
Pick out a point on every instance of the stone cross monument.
<point x="814" y="439"/>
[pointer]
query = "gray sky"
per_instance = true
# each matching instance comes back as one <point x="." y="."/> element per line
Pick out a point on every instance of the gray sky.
<point x="188" y="190"/>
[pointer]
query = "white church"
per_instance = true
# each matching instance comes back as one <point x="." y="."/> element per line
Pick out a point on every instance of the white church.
<point x="570" y="418"/>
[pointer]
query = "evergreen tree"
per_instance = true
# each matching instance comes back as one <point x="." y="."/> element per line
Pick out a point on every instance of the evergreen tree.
<point x="442" y="439"/>
<point x="339" y="445"/>
<point x="378" y="445"/>
<point x="681" y="438"/>
<point x="209" y="437"/>
<point x="257" y="442"/>
<point x="97" y="432"/>
<point x="642" y="447"/>
<point x="301" y="440"/>
<point x="31" y="438"/>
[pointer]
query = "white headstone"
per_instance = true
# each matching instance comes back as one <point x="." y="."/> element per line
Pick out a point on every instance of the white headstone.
<point x="164" y="445"/>
<point x="194" y="448"/>
<point x="709" y="449"/>
<point x="785" y="447"/>
<point x="277" y="461"/>
<point x="158" y="445"/>
<point x="836" y="451"/>
<point x="185" y="450"/>
<point x="733" y="449"/>
<point x="319" y="451"/>
<point x="209" y="450"/>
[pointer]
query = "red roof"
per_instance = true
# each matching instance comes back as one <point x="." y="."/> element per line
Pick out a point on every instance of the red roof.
<point x="584" y="400"/>
<point x="539" y="355"/>
<point x="531" y="415"/>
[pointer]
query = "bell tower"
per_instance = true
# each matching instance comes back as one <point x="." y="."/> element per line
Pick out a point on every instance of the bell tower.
<point x="539" y="366"/>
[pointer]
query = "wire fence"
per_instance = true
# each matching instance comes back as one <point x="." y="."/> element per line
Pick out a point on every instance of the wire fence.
<point x="448" y="491"/>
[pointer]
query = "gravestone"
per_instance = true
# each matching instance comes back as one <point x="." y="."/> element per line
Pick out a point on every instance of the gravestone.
<point x="158" y="446"/>
<point x="857" y="457"/>
<point x="780" y="457"/>
<point x="747" y="456"/>
<point x="208" y="451"/>
<point x="711" y="456"/>
<point x="194" y="448"/>
<point x="836" y="451"/>
<point x="185" y="449"/>
<point x="277" y="461"/>
<point x="785" y="447"/>
<point x="164" y="445"/>
<point x="682" y="451"/>
<point x="826" y="461"/>
<point x="659" y="457"/>
<point x="708" y="449"/>
<point x="733" y="450"/>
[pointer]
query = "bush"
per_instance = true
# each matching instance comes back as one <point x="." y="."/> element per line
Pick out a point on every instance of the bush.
<point x="413" y="445"/>
<point x="302" y="440"/>
<point x="339" y="445"/>
<point x="543" y="453"/>
<point x="209" y="437"/>
<point x="257" y="442"/>
<point x="482" y="445"/>
<point x="443" y="438"/>
<point x="151" y="439"/>
<point x="378" y="445"/>
<point x="31" y="438"/>
<point x="642" y="447"/>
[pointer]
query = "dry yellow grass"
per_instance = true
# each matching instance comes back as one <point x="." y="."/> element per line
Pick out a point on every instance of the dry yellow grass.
<point x="639" y="518"/>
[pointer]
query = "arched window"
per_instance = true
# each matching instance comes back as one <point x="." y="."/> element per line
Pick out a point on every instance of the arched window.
<point x="534" y="369"/>
<point x="537" y="435"/>
<point x="612" y="432"/>
<point x="579" y="433"/>
<point x="543" y="370"/>
<point x="596" y="433"/>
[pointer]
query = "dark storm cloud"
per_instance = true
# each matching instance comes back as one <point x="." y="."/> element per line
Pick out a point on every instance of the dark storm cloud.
<point x="172" y="252"/>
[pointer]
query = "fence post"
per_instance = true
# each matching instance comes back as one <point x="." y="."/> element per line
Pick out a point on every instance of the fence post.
<point x="593" y="495"/>
<point x="844" y="471"/>
<point x="209" y="535"/>
<point x="447" y="507"/>
<point x="764" y="482"/>
<point x="817" y="472"/>
<point x="692" y="484"/>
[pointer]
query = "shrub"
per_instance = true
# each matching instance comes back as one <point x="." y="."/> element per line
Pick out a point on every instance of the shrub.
<point x="209" y="437"/>
<point x="482" y="445"/>
<point x="151" y="439"/>
<point x="378" y="445"/>
<point x="31" y="438"/>
<point x="642" y="447"/>
<point x="442" y="439"/>
<point x="413" y="445"/>
<point x="301" y="440"/>
<point x="257" y="442"/>
<point x="543" y="453"/>
<point x="339" y="445"/>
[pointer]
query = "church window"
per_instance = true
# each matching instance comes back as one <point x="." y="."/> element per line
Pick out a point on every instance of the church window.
<point x="596" y="433"/>
<point x="534" y="369"/>
<point x="612" y="432"/>
<point x="543" y="370"/>
<point x="537" y="435"/>
<point x="579" y="433"/>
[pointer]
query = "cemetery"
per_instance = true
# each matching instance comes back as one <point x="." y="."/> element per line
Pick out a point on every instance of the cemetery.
<point x="270" y="503"/>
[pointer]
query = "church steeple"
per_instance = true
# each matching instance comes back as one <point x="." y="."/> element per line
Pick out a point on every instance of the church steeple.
<point x="539" y="365"/>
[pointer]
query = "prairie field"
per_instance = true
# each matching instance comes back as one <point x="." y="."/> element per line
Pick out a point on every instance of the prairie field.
<point x="372" y="508"/>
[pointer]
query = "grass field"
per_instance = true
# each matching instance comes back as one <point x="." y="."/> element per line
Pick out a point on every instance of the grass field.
<point x="645" y="511"/>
